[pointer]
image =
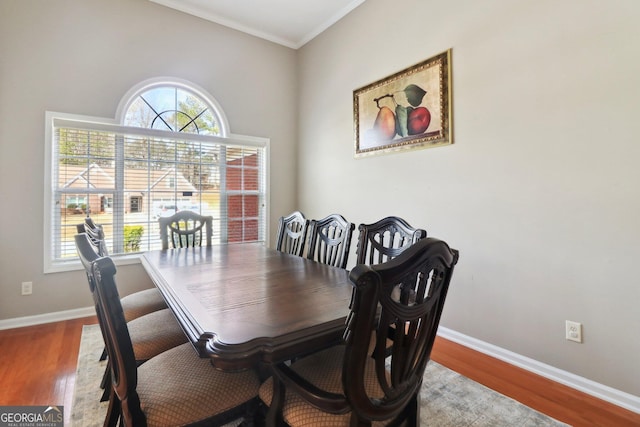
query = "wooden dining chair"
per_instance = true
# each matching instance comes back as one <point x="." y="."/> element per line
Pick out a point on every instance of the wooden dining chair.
<point x="330" y="240"/>
<point x="345" y="385"/>
<point x="95" y="233"/>
<point x="152" y="333"/>
<point x="385" y="239"/>
<point x="136" y="304"/>
<point x="174" y="388"/>
<point x="185" y="229"/>
<point x="292" y="233"/>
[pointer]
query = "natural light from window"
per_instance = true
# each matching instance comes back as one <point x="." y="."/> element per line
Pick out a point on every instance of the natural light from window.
<point x="171" y="152"/>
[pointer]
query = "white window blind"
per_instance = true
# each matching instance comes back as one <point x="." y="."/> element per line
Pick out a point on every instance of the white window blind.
<point x="125" y="178"/>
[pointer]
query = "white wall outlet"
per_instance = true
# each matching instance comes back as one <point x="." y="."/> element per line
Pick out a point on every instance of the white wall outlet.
<point x="573" y="331"/>
<point x="27" y="288"/>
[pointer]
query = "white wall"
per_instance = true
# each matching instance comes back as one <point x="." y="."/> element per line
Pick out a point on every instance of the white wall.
<point x="540" y="190"/>
<point x="82" y="57"/>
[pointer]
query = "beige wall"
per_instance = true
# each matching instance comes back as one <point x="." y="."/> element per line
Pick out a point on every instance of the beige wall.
<point x="81" y="57"/>
<point x="540" y="190"/>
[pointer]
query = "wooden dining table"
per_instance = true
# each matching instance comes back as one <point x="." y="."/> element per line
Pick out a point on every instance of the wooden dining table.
<point x="245" y="304"/>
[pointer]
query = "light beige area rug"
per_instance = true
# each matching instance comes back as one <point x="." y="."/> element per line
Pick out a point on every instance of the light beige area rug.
<point x="447" y="398"/>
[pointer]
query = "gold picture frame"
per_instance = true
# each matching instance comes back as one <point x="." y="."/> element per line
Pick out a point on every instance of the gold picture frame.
<point x="407" y="110"/>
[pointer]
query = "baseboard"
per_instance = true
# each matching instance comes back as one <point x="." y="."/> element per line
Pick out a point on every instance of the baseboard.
<point x="601" y="391"/>
<point x="39" y="319"/>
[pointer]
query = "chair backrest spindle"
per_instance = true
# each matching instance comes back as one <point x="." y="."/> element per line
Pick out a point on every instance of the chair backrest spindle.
<point x="292" y="233"/>
<point x="330" y="240"/>
<point x="385" y="239"/>
<point x="185" y="229"/>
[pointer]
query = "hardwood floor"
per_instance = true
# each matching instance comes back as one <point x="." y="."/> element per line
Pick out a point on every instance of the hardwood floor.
<point x="38" y="363"/>
<point x="556" y="400"/>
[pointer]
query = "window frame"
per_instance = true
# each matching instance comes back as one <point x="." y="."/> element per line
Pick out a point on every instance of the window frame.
<point x="57" y="119"/>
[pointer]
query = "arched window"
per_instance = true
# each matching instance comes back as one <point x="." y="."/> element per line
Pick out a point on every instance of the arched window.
<point x="172" y="105"/>
<point x="168" y="149"/>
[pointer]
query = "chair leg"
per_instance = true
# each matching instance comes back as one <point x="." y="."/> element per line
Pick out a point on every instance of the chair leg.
<point x="412" y="411"/>
<point x="416" y="402"/>
<point x="113" y="410"/>
<point x="105" y="383"/>
<point x="251" y="417"/>
<point x="274" y="414"/>
<point x="105" y="395"/>
<point x="103" y="356"/>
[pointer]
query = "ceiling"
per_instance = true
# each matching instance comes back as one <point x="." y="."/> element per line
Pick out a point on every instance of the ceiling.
<point x="291" y="23"/>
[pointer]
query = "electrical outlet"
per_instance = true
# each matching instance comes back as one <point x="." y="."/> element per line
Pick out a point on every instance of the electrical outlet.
<point x="27" y="288"/>
<point x="573" y="331"/>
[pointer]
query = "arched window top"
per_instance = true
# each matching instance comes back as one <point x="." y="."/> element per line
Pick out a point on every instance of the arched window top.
<point x="172" y="105"/>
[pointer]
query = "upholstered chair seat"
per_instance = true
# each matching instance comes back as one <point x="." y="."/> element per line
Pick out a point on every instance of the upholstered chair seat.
<point x="323" y="370"/>
<point x="188" y="389"/>
<point x="155" y="333"/>
<point x="141" y="303"/>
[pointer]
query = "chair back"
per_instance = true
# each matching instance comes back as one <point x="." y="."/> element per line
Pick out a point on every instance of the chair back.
<point x="184" y="229"/>
<point x="330" y="240"/>
<point x="385" y="239"/>
<point x="405" y="297"/>
<point x="292" y="233"/>
<point x="95" y="233"/>
<point x="122" y="362"/>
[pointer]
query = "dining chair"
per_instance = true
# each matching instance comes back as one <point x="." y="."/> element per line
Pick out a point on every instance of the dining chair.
<point x="184" y="229"/>
<point x="347" y="386"/>
<point x="292" y="233"/>
<point x="385" y="239"/>
<point x="135" y="304"/>
<point x="95" y="233"/>
<point x="174" y="388"/>
<point x="330" y="240"/>
<point x="152" y="333"/>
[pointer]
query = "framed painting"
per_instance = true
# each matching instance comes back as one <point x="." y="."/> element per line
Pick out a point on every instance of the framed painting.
<point x="409" y="109"/>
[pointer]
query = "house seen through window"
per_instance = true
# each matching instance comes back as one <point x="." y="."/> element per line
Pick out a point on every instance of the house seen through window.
<point x="171" y="151"/>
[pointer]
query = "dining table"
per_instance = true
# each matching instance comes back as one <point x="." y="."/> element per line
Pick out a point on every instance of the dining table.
<point x="245" y="305"/>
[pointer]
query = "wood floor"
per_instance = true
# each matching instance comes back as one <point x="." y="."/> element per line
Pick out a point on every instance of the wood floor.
<point x="38" y="363"/>
<point x="556" y="400"/>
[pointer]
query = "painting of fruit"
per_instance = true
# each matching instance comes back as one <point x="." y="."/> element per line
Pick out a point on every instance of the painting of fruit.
<point x="409" y="109"/>
<point x="418" y="120"/>
<point x="385" y="124"/>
